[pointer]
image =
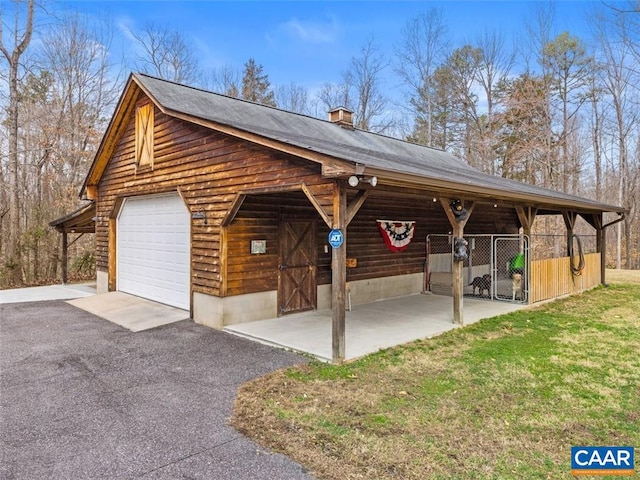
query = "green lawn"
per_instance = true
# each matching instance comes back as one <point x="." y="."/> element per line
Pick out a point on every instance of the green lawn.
<point x="504" y="398"/>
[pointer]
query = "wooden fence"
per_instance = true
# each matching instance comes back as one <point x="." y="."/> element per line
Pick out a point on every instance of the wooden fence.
<point x="552" y="277"/>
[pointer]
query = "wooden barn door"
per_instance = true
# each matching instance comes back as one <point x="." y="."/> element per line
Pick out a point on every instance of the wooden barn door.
<point x="297" y="270"/>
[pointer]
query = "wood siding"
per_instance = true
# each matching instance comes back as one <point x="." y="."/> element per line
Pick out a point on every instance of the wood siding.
<point x="259" y="217"/>
<point x="208" y="169"/>
<point x="552" y="277"/>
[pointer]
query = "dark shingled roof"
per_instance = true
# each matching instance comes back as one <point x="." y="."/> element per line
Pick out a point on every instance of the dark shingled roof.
<point x="78" y="221"/>
<point x="352" y="145"/>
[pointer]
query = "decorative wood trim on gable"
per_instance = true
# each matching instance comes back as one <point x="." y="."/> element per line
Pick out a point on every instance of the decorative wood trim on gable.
<point x="112" y="136"/>
<point x="144" y="136"/>
<point x="334" y="165"/>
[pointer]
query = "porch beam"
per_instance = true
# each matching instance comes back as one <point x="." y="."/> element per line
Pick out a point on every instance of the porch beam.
<point x="339" y="274"/>
<point x="457" y="226"/>
<point x="356" y="204"/>
<point x="319" y="208"/>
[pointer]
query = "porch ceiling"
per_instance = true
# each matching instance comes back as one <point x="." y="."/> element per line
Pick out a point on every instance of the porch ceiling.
<point x="370" y="327"/>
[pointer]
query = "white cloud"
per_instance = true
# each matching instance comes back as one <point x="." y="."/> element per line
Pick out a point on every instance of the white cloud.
<point x="311" y="32"/>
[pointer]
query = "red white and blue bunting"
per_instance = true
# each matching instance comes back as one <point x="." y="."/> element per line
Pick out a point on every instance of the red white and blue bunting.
<point x="397" y="235"/>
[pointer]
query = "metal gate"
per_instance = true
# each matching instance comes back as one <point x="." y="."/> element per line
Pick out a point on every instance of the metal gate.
<point x="497" y="267"/>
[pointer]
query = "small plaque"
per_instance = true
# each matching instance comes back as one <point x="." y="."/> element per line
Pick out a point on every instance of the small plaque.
<point x="258" y="247"/>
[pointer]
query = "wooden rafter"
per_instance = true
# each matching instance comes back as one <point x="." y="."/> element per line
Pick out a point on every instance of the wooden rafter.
<point x="234" y="209"/>
<point x="316" y="204"/>
<point x="356" y="204"/>
<point x="526" y="216"/>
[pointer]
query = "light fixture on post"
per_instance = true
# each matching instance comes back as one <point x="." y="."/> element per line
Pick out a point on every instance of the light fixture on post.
<point x="355" y="179"/>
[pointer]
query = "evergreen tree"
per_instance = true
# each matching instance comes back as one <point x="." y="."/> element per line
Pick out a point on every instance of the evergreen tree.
<point x="255" y="84"/>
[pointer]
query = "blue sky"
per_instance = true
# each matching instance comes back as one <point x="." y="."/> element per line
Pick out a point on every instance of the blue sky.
<point x="308" y="42"/>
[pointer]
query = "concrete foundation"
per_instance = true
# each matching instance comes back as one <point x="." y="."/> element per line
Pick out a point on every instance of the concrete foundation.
<point x="216" y="312"/>
<point x="102" y="282"/>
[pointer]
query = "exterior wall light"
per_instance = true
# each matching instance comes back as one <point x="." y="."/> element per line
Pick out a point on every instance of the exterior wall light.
<point x="199" y="215"/>
<point x="355" y="179"/>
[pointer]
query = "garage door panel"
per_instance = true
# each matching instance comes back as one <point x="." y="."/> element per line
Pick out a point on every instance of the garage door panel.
<point x="153" y="249"/>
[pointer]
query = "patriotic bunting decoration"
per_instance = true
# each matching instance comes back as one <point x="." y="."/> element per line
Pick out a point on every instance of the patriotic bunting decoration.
<point x="397" y="235"/>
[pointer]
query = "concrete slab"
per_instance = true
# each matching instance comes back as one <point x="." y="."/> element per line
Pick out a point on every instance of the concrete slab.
<point x="131" y="312"/>
<point x="370" y="327"/>
<point x="47" y="292"/>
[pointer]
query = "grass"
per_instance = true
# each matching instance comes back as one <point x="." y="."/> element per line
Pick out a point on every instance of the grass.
<point x="504" y="398"/>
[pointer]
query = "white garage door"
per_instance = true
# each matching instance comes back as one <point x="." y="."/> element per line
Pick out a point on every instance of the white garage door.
<point x="153" y="249"/>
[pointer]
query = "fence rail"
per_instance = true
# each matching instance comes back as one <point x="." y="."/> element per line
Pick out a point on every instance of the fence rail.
<point x="552" y="277"/>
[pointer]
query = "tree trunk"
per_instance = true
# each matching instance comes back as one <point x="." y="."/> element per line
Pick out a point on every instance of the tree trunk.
<point x="14" y="261"/>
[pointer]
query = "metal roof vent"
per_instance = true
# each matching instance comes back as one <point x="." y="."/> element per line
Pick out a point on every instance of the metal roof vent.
<point x="342" y="116"/>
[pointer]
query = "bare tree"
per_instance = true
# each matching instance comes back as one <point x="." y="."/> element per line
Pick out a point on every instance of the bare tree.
<point x="568" y="64"/>
<point x="494" y="68"/>
<point x="423" y="48"/>
<point x="64" y="104"/>
<point x="20" y="39"/>
<point x="293" y="98"/>
<point x="360" y="90"/>
<point x="594" y="95"/>
<point x="366" y="72"/>
<point x="167" y="54"/>
<point x="461" y="71"/>
<point x="618" y="81"/>
<point x="332" y="95"/>
<point x="226" y="80"/>
<point x="539" y="34"/>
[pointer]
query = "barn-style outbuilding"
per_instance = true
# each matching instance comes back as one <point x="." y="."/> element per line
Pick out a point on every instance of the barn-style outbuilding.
<point x="224" y="208"/>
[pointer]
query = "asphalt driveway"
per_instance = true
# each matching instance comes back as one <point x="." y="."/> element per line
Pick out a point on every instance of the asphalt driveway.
<point x="83" y="398"/>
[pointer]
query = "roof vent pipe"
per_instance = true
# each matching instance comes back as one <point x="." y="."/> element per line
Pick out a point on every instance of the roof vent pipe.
<point x="342" y="116"/>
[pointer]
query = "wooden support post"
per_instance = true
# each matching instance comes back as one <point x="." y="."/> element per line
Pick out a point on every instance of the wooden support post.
<point x="112" y="255"/>
<point x="224" y="253"/>
<point x="600" y="244"/>
<point x="65" y="258"/>
<point x="457" y="226"/>
<point x="570" y="222"/>
<point x="339" y="275"/>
